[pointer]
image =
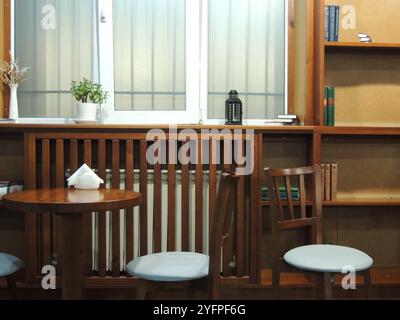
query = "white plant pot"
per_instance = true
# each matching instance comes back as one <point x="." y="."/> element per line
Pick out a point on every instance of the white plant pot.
<point x="87" y="111"/>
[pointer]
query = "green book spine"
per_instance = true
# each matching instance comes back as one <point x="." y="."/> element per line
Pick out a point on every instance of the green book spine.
<point x="331" y="107"/>
<point x="326" y="107"/>
<point x="332" y="11"/>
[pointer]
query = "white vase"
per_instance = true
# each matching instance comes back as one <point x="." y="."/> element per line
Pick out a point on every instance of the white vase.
<point x="87" y="111"/>
<point x="13" y="109"/>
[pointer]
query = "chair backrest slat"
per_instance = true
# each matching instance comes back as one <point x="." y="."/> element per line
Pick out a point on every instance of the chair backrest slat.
<point x="303" y="197"/>
<point x="289" y="197"/>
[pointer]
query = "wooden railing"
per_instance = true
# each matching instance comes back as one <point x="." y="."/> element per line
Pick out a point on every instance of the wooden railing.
<point x="49" y="156"/>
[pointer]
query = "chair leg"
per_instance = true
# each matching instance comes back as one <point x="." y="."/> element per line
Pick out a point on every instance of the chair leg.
<point x="142" y="289"/>
<point x="324" y="286"/>
<point x="276" y="274"/>
<point x="367" y="282"/>
<point x="12" y="288"/>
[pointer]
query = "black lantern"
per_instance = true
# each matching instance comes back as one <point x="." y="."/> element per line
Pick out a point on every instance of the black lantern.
<point x="233" y="109"/>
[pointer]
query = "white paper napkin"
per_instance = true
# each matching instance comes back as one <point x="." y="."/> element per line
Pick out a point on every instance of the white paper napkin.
<point x="85" y="179"/>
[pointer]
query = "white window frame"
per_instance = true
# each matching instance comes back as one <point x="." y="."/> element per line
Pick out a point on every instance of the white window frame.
<point x="196" y="71"/>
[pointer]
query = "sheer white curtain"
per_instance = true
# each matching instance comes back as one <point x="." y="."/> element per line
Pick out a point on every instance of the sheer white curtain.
<point x="56" y="38"/>
<point x="247" y="53"/>
<point x="149" y="55"/>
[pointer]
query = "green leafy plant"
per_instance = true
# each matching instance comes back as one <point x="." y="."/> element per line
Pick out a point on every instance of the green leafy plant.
<point x="87" y="91"/>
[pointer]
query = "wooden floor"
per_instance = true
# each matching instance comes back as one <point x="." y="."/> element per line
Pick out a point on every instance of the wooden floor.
<point x="386" y="285"/>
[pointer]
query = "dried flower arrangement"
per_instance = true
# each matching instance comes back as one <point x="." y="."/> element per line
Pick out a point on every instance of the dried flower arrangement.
<point x="11" y="73"/>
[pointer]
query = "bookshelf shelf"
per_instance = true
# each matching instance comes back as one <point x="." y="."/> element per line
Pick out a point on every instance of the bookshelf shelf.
<point x="358" y="45"/>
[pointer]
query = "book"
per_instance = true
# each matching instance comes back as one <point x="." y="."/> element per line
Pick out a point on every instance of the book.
<point x="294" y="192"/>
<point x="326" y="106"/>
<point x="334" y="179"/>
<point x="287" y="116"/>
<point x="337" y="22"/>
<point x="7" y="187"/>
<point x="327" y="182"/>
<point x="332" y="22"/>
<point x="331" y="106"/>
<point x="327" y="19"/>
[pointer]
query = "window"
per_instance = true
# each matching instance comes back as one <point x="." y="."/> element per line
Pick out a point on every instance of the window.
<point x="163" y="61"/>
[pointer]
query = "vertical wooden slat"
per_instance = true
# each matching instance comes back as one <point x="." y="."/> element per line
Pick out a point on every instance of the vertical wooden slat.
<point x="212" y="191"/>
<point x="102" y="215"/>
<point x="171" y="202"/>
<point x="30" y="260"/>
<point x="143" y="191"/>
<point x="157" y="200"/>
<point x="87" y="218"/>
<point x="228" y="247"/>
<point x="240" y="226"/>
<point x="255" y="216"/>
<point x="129" y="221"/>
<point x="74" y="156"/>
<point x="303" y="198"/>
<point x="199" y="200"/>
<point x="60" y="178"/>
<point x="185" y="205"/>
<point x="46" y="217"/>
<point x="289" y="197"/>
<point x="116" y="264"/>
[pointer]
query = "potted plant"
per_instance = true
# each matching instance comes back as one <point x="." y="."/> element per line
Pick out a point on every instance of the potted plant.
<point x="89" y="96"/>
<point x="12" y="75"/>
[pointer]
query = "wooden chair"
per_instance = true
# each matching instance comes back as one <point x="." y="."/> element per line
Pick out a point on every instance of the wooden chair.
<point x="9" y="265"/>
<point x="158" y="269"/>
<point x="316" y="260"/>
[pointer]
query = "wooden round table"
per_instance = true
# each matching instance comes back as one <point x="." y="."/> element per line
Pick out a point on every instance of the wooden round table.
<point x="71" y="205"/>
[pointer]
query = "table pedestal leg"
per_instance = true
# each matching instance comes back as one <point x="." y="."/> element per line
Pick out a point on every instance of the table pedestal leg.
<point x="72" y="280"/>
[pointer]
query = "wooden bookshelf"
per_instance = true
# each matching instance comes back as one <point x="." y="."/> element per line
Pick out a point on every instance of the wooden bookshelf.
<point x="366" y="75"/>
<point x="359" y="45"/>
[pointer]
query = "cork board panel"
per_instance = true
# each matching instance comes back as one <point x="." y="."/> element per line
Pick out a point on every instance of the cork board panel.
<point x="366" y="170"/>
<point x="375" y="231"/>
<point x="379" y="19"/>
<point x="367" y="87"/>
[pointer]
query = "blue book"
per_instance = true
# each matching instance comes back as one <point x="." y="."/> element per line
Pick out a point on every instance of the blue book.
<point x="332" y="23"/>
<point x="337" y="22"/>
<point x="326" y="23"/>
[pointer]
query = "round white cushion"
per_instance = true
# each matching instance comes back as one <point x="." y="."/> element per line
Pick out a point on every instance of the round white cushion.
<point x="9" y="265"/>
<point x="170" y="266"/>
<point x="328" y="258"/>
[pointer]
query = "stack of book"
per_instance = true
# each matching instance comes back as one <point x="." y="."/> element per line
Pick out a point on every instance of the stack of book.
<point x="7" y="187"/>
<point x="284" y="120"/>
<point x="329" y="106"/>
<point x="332" y="20"/>
<point x="329" y="181"/>
<point x="294" y="191"/>
<point x="364" y="38"/>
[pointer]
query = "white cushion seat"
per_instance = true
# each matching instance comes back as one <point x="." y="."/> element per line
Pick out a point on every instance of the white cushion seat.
<point x="328" y="258"/>
<point x="170" y="266"/>
<point x="9" y="264"/>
